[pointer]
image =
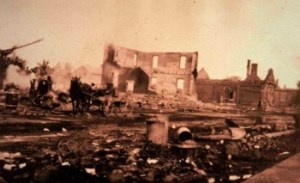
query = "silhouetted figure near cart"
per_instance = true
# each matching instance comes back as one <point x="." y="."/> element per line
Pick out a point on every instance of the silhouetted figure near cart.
<point x="43" y="87"/>
<point x="75" y="93"/>
<point x="49" y="82"/>
<point x="42" y="90"/>
<point x="32" y="90"/>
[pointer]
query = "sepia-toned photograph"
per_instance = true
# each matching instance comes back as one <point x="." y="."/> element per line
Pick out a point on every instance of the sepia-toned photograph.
<point x="119" y="91"/>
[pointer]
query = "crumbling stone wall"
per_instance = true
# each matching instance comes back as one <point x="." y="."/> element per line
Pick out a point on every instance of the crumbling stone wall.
<point x="285" y="97"/>
<point x="249" y="94"/>
<point x="248" y="91"/>
<point x="108" y="69"/>
<point x="245" y="94"/>
<point x="228" y="92"/>
<point x="217" y="91"/>
<point x="205" y="91"/>
<point x="166" y="73"/>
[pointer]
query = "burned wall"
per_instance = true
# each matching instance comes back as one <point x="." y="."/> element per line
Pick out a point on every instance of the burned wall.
<point x="217" y="90"/>
<point x="249" y="94"/>
<point x="285" y="97"/>
<point x="109" y="72"/>
<point x="140" y="78"/>
<point x="228" y="91"/>
<point x="245" y="94"/>
<point x="205" y="91"/>
<point x="167" y="71"/>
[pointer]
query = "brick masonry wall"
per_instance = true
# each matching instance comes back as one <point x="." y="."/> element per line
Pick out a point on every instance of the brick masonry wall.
<point x="168" y="69"/>
<point x="284" y="97"/>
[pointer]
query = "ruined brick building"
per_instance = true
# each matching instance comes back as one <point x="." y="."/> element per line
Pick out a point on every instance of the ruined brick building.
<point x="247" y="92"/>
<point x="142" y="72"/>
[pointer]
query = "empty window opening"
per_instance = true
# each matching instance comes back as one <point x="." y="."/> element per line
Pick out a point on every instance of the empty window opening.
<point x="153" y="81"/>
<point x="180" y="84"/>
<point x="154" y="61"/>
<point x="229" y="93"/>
<point x="182" y="62"/>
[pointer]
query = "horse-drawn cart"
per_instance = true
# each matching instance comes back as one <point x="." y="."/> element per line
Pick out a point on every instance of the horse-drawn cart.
<point x="108" y="104"/>
<point x="106" y="100"/>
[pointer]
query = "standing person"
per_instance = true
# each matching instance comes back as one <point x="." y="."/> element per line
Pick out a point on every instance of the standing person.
<point x="32" y="90"/>
<point x="50" y="83"/>
<point x="259" y="105"/>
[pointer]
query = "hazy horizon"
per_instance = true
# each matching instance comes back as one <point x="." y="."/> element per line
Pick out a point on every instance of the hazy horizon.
<point x="224" y="33"/>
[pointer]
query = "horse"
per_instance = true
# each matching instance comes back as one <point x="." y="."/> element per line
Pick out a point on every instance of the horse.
<point x="78" y="93"/>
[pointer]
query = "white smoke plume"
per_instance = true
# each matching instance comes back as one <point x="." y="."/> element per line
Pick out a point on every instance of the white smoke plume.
<point x="17" y="76"/>
<point x="62" y="76"/>
<point x="63" y="73"/>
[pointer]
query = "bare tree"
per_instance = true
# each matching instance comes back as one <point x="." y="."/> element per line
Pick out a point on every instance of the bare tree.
<point x="42" y="69"/>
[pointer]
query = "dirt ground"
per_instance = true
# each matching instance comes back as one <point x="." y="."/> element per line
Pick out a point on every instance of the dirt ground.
<point x="92" y="148"/>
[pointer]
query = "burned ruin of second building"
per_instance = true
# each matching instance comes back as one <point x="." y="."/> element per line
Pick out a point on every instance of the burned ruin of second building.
<point x="247" y="92"/>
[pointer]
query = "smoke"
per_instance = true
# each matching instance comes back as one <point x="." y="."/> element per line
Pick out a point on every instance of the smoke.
<point x="89" y="74"/>
<point x="62" y="76"/>
<point x="17" y="76"/>
<point x="63" y="73"/>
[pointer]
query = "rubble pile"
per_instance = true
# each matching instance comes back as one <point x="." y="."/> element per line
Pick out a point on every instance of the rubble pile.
<point x="160" y="102"/>
<point x="184" y="103"/>
<point x="60" y="102"/>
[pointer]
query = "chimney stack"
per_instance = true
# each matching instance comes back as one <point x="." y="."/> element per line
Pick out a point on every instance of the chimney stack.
<point x="248" y="67"/>
<point x="253" y="69"/>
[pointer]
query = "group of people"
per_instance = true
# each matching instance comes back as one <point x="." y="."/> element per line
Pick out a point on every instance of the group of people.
<point x="44" y="87"/>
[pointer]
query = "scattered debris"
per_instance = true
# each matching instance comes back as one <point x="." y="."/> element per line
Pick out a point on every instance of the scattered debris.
<point x="278" y="134"/>
<point x="234" y="177"/>
<point x="113" y="150"/>
<point x="152" y="161"/>
<point x="64" y="130"/>
<point x="9" y="167"/>
<point x="22" y="165"/>
<point x="284" y="153"/>
<point x="91" y="171"/>
<point x="65" y="164"/>
<point x="157" y="130"/>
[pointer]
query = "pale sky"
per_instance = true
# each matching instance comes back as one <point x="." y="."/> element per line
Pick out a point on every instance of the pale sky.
<point x="225" y="32"/>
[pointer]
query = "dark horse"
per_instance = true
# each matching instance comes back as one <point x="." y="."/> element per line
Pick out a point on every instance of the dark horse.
<point x="78" y="93"/>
